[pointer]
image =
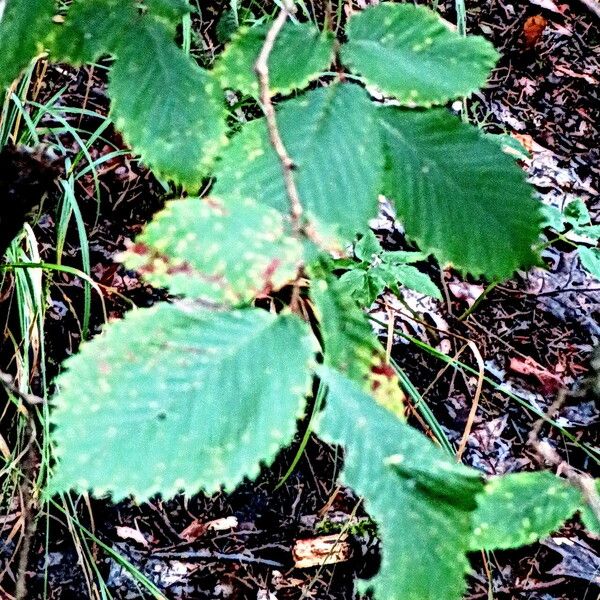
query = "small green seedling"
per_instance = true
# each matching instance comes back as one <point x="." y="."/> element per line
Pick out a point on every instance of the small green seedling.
<point x="574" y="225"/>
<point x="376" y="269"/>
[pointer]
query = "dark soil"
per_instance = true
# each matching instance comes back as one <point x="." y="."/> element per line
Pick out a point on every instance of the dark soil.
<point x="542" y="90"/>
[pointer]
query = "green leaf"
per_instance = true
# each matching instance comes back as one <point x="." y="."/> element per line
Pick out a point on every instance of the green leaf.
<point x="410" y="277"/>
<point x="219" y="254"/>
<point x="367" y="247"/>
<point x="590" y="231"/>
<point x="589" y="517"/>
<point x="348" y="339"/>
<point x="402" y="257"/>
<point x="509" y="144"/>
<point x="23" y="27"/>
<point x="363" y="285"/>
<point x="169" y="109"/>
<point x="408" y="52"/>
<point x="170" y="10"/>
<point x="576" y="213"/>
<point x="552" y="217"/>
<point x="301" y="52"/>
<point x="578" y="216"/>
<point x="175" y="398"/>
<point x="460" y="197"/>
<point x="518" y="509"/>
<point x="419" y="496"/>
<point x="332" y="135"/>
<point x="590" y="260"/>
<point x="92" y="29"/>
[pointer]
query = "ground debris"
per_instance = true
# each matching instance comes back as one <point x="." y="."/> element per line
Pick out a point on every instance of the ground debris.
<point x="578" y="559"/>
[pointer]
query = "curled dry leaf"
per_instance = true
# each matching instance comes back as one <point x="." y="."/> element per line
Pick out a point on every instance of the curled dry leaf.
<point x="533" y="28"/>
<point x="551" y="382"/>
<point x="196" y="529"/>
<point x="130" y="533"/>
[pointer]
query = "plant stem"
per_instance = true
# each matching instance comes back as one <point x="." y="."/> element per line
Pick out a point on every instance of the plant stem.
<point x="29" y="506"/>
<point x="261" y="68"/>
<point x="478" y="301"/>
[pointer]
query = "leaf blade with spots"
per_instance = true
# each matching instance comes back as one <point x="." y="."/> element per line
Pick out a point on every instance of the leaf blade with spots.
<point x="421" y="499"/>
<point x="170" y="10"/>
<point x="169" y="109"/>
<point x="299" y="55"/>
<point x="24" y="26"/>
<point x="520" y="508"/>
<point x="218" y="254"/>
<point x="408" y="52"/>
<point x="460" y="197"/>
<point x="177" y="398"/>
<point x="332" y="136"/>
<point x="92" y="29"/>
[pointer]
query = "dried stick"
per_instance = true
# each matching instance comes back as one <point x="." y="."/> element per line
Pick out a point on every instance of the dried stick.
<point x="27" y="483"/>
<point x="261" y="68"/>
<point x="475" y="404"/>
<point x="28" y="511"/>
<point x="584" y="482"/>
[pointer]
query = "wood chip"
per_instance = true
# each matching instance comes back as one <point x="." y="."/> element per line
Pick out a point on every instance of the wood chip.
<point x="323" y="550"/>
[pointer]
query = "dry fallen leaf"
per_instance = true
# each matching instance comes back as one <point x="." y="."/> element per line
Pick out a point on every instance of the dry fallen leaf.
<point x="533" y="28"/>
<point x="465" y="291"/>
<point x="579" y="560"/>
<point x="527" y="366"/>
<point x="196" y="529"/>
<point x="222" y="524"/>
<point x="525" y="140"/>
<point x="129" y="533"/>
<point x="550" y="5"/>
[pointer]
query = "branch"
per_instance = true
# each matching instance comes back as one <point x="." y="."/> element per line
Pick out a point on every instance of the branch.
<point x="261" y="68"/>
<point x="27" y="486"/>
<point x="28" y="511"/>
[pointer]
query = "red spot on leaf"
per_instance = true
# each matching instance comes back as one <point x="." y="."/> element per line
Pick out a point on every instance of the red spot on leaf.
<point x="268" y="277"/>
<point x="384" y="369"/>
<point x="139" y="248"/>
